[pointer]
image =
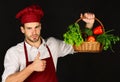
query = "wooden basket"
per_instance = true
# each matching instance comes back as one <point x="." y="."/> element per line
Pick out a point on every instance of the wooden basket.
<point x="91" y="47"/>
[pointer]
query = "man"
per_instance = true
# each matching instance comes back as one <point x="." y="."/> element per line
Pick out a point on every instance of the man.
<point x="35" y="59"/>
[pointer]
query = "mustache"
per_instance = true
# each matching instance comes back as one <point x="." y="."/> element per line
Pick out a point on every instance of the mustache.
<point x="35" y="35"/>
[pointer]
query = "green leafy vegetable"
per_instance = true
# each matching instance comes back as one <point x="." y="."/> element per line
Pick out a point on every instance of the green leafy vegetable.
<point x="107" y="39"/>
<point x="88" y="31"/>
<point x="73" y="36"/>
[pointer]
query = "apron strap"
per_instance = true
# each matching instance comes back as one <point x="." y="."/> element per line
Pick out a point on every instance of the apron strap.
<point x="26" y="54"/>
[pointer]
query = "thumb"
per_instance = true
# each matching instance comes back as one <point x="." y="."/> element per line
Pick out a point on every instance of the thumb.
<point x="81" y="15"/>
<point x="38" y="56"/>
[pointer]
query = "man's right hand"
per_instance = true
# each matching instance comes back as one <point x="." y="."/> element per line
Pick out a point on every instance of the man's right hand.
<point x="38" y="64"/>
<point x="89" y="18"/>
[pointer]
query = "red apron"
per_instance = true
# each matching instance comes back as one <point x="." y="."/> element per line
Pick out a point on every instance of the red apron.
<point x="48" y="75"/>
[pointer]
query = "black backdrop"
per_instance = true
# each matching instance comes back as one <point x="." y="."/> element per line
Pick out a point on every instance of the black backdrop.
<point x="80" y="67"/>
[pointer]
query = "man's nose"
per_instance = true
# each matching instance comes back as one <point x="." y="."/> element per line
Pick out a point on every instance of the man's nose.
<point x="34" y="31"/>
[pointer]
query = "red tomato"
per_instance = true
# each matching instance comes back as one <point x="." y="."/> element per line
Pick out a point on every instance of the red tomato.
<point x="91" y="39"/>
<point x="98" y="30"/>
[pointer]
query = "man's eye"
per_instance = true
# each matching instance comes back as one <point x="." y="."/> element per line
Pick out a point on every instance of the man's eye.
<point x="37" y="26"/>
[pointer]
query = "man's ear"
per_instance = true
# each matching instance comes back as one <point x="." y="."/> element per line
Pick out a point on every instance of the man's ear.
<point x="22" y="29"/>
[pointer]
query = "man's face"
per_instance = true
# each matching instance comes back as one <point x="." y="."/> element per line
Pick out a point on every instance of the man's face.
<point x="31" y="31"/>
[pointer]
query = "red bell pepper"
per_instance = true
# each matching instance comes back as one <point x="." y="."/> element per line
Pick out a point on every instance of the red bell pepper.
<point x="98" y="30"/>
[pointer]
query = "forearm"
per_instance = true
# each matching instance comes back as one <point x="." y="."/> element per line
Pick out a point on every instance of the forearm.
<point x="89" y="25"/>
<point x="20" y="76"/>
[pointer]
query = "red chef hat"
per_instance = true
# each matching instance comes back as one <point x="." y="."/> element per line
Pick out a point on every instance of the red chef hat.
<point x="32" y="13"/>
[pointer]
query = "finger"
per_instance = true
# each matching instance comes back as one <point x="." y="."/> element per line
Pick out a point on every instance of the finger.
<point x="81" y="15"/>
<point x="44" y="62"/>
<point x="89" y="15"/>
<point x="38" y="56"/>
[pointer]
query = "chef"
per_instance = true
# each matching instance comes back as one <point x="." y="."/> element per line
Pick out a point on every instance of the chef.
<point x="34" y="59"/>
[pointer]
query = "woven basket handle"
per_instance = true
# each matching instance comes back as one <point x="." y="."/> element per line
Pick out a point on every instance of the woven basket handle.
<point x="96" y="20"/>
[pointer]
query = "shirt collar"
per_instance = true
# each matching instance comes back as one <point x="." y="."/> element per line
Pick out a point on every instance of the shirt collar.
<point x="42" y="44"/>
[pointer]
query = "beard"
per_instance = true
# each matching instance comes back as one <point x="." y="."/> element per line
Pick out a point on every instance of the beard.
<point x="33" y="38"/>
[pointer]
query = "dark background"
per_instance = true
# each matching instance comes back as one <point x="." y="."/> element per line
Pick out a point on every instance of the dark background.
<point x="80" y="67"/>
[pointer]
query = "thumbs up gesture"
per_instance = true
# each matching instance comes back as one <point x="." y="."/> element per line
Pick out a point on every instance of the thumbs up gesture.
<point x="38" y="64"/>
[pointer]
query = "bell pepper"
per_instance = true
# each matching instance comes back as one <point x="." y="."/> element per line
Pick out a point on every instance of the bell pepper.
<point x="98" y="30"/>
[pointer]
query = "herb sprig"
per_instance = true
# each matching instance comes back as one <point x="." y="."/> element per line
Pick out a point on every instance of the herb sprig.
<point x="107" y="39"/>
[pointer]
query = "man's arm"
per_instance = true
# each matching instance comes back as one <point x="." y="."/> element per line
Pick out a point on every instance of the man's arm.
<point x="20" y="76"/>
<point x="38" y="65"/>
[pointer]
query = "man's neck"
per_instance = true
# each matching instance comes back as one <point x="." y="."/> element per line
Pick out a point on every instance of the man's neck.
<point x="34" y="44"/>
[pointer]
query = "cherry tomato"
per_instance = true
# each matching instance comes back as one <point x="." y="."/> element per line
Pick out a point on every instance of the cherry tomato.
<point x="91" y="39"/>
